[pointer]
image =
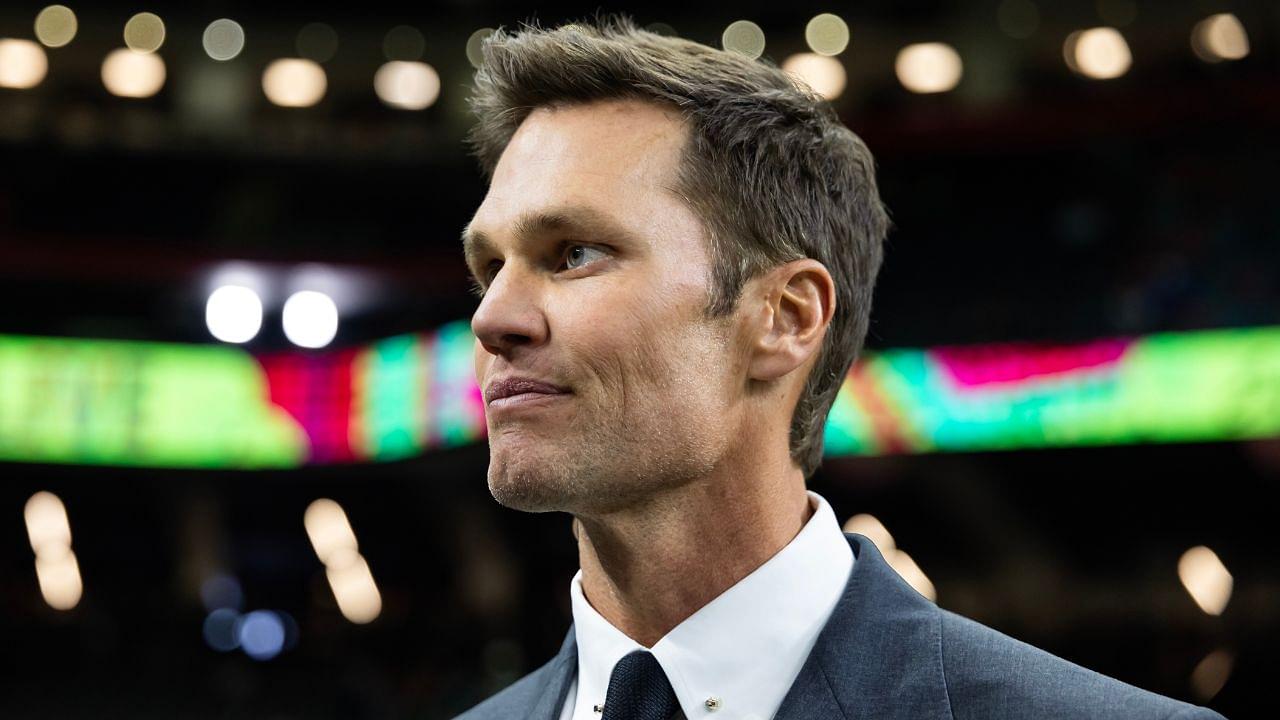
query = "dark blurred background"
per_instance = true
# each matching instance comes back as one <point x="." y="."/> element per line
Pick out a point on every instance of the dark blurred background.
<point x="1031" y="201"/>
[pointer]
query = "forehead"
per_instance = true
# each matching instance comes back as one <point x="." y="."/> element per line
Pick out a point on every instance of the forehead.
<point x="617" y="158"/>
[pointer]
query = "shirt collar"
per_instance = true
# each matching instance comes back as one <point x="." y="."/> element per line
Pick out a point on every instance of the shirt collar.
<point x="744" y="648"/>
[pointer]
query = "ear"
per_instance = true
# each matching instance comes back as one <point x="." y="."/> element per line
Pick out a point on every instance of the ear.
<point x="799" y="301"/>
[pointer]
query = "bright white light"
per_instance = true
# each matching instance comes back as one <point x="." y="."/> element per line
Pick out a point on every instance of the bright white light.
<point x="261" y="634"/>
<point x="911" y="572"/>
<point x="357" y="595"/>
<point x="59" y="579"/>
<point x="824" y="75"/>
<point x="348" y="572"/>
<point x="827" y="34"/>
<point x="144" y="32"/>
<point x="47" y="526"/>
<point x="294" y="82"/>
<point x="56" y="26"/>
<point x="223" y="39"/>
<point x="233" y="314"/>
<point x="929" y="67"/>
<point x="1220" y="37"/>
<point x="23" y="64"/>
<point x="1100" y="53"/>
<point x="744" y="36"/>
<point x="1206" y="579"/>
<point x="133" y="74"/>
<point x="874" y="530"/>
<point x="310" y="319"/>
<point x="329" y="530"/>
<point x="407" y="85"/>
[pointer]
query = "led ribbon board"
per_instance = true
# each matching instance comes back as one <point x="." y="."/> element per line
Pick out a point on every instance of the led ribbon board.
<point x="1173" y="387"/>
<point x="215" y="406"/>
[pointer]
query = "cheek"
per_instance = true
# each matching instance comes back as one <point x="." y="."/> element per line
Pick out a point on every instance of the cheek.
<point x="480" y="359"/>
<point x="639" y="335"/>
<point x="652" y="357"/>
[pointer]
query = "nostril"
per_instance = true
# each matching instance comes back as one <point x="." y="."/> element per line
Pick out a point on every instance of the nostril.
<point x="503" y="343"/>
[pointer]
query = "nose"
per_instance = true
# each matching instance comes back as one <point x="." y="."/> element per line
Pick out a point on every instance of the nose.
<point x="510" y="314"/>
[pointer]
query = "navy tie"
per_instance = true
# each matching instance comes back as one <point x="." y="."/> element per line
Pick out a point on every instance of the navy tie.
<point x="639" y="690"/>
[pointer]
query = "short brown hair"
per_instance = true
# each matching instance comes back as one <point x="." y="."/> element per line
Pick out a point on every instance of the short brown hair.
<point x="769" y="168"/>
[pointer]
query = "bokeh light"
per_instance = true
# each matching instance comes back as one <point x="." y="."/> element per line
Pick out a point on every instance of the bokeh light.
<point x="23" y="63"/>
<point x="874" y="530"/>
<point x="261" y="634"/>
<point x="827" y="34"/>
<point x="49" y="532"/>
<point x="310" y="319"/>
<point x="223" y="39"/>
<point x="220" y="629"/>
<point x="60" y="582"/>
<point x="144" y="32"/>
<point x="1117" y="13"/>
<point x="355" y="591"/>
<point x="745" y="37"/>
<point x="1211" y="673"/>
<point x="1099" y="53"/>
<point x="911" y="572"/>
<point x="929" y="67"/>
<point x="823" y="74"/>
<point x="221" y="592"/>
<point x="475" y="43"/>
<point x="403" y="42"/>
<point x="131" y="74"/>
<point x="47" y="527"/>
<point x="56" y="26"/>
<point x="328" y="529"/>
<point x="1220" y="37"/>
<point x="317" y="42"/>
<point x="407" y="85"/>
<point x="1206" y="579"/>
<point x="294" y="82"/>
<point x="233" y="314"/>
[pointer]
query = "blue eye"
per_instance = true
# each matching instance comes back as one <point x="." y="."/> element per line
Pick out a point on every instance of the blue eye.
<point x="578" y="255"/>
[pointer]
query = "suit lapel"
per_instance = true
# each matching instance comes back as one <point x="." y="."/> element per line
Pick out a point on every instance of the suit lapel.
<point x="563" y="669"/>
<point x="880" y="654"/>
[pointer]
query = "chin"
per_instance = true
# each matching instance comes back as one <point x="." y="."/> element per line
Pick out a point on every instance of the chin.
<point x="529" y="484"/>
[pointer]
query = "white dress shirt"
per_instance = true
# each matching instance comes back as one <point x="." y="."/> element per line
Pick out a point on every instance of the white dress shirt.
<point x="736" y="657"/>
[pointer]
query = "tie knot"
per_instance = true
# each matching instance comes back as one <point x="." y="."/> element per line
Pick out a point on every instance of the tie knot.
<point x="639" y="690"/>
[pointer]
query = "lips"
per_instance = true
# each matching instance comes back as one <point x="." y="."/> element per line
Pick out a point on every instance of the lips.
<point x="512" y="386"/>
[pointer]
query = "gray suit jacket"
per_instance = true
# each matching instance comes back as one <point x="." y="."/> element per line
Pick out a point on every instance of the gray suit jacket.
<point x="889" y="653"/>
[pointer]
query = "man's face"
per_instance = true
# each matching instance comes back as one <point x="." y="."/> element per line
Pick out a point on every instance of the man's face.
<point x="597" y="278"/>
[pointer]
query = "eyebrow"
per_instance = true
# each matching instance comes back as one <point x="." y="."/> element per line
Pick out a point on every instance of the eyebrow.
<point x="573" y="219"/>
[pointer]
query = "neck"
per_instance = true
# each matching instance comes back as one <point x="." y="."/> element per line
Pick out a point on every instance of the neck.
<point x="646" y="569"/>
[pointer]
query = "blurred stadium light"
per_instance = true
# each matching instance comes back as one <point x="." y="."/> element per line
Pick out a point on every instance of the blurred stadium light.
<point x="57" y="570"/>
<point x="294" y="82"/>
<point x="23" y="64"/>
<point x="929" y="67"/>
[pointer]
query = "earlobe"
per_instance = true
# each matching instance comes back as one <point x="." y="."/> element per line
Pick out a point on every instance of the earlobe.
<point x="799" y="302"/>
